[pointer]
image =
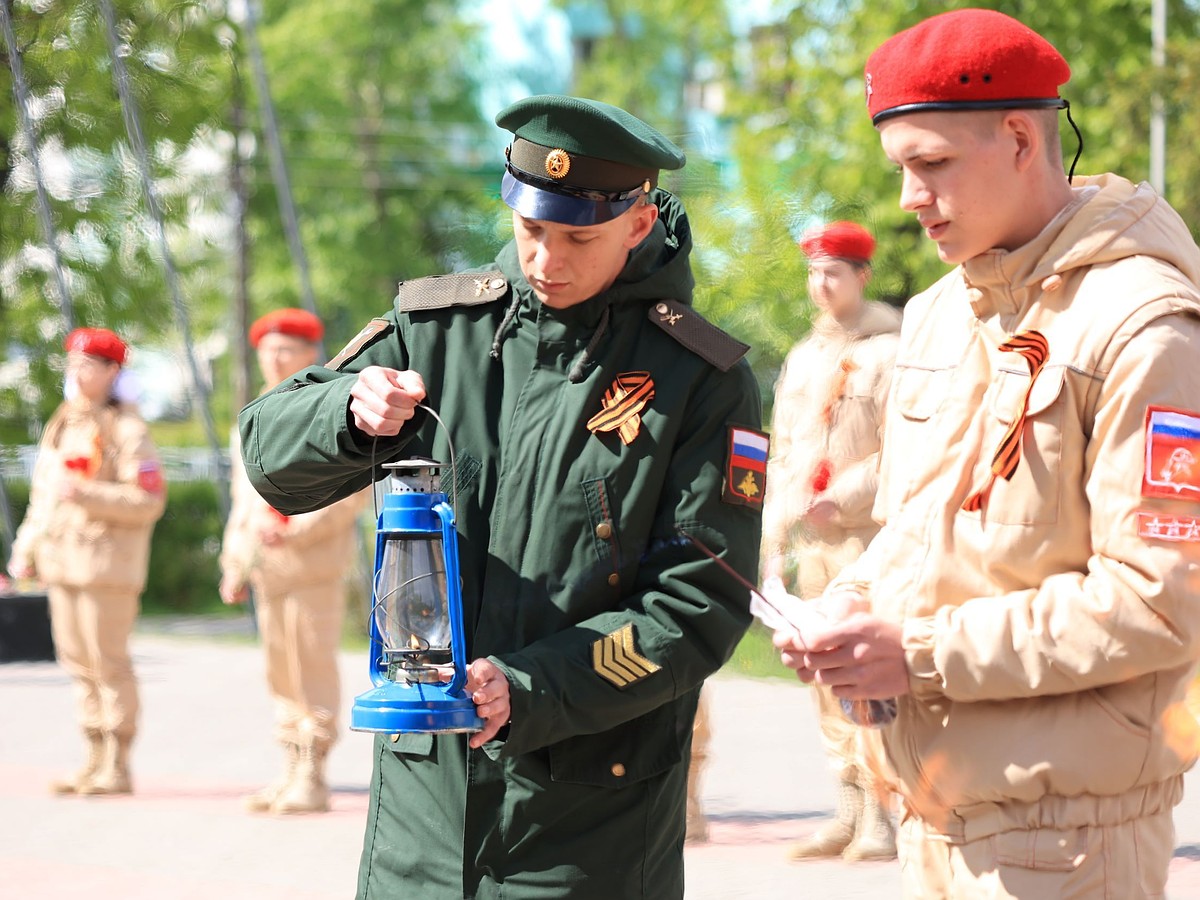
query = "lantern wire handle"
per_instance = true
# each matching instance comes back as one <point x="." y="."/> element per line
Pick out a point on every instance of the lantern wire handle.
<point x="453" y="462"/>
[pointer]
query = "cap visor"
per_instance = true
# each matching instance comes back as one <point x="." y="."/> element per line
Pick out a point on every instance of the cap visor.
<point x="534" y="203"/>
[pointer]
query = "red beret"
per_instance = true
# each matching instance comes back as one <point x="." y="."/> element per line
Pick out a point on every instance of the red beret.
<point x="843" y="240"/>
<point x="962" y="60"/>
<point x="97" y="342"/>
<point x="296" y="322"/>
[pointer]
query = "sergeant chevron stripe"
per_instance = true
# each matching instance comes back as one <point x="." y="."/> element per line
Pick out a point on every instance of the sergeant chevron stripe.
<point x="1035" y="348"/>
<point x="615" y="658"/>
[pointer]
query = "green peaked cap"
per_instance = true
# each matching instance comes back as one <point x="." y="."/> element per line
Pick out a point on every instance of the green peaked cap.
<point x="578" y="161"/>
<point x="590" y="128"/>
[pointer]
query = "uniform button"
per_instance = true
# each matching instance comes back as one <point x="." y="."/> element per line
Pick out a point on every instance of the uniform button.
<point x="661" y="308"/>
<point x="604" y="531"/>
<point x="395" y="737"/>
<point x="619" y="770"/>
<point x="614" y="579"/>
<point x="497" y="283"/>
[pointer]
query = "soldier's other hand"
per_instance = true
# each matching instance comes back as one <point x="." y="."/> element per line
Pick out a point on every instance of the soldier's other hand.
<point x="19" y="569"/>
<point x="487" y="687"/>
<point x="233" y="591"/>
<point x="382" y="400"/>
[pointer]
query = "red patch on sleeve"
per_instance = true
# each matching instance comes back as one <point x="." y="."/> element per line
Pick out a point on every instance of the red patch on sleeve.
<point x="1172" y="454"/>
<point x="150" y="476"/>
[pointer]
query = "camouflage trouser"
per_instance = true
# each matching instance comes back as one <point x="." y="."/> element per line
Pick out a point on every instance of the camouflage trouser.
<point x="91" y="628"/>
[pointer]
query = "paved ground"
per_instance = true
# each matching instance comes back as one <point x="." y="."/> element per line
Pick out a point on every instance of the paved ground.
<point x="206" y="743"/>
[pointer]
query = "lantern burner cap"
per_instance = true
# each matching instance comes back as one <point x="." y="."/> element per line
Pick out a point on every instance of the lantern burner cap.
<point x="417" y="475"/>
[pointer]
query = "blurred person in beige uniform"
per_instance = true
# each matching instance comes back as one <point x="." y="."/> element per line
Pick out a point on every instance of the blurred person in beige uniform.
<point x="97" y="491"/>
<point x="1031" y="600"/>
<point x="829" y="404"/>
<point x="297" y="566"/>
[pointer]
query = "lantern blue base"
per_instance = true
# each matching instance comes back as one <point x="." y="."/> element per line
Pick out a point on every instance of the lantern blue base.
<point x="413" y="709"/>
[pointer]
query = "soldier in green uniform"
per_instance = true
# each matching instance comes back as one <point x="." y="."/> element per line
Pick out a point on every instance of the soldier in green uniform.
<point x="594" y="414"/>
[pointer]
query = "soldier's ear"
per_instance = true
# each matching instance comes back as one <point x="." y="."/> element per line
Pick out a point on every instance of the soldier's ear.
<point x="642" y="216"/>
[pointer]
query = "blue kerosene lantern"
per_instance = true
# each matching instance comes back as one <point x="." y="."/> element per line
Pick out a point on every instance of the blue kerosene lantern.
<point x="417" y="646"/>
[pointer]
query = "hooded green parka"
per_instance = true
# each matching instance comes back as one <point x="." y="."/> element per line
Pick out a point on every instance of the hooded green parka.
<point x="565" y="537"/>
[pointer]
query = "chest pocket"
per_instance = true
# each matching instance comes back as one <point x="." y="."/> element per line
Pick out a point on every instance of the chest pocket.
<point x="917" y="396"/>
<point x="855" y="427"/>
<point x="919" y="393"/>
<point x="1031" y="496"/>
<point x="602" y="519"/>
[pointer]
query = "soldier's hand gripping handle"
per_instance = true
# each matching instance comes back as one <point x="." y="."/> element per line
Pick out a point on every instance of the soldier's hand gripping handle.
<point x="382" y="400"/>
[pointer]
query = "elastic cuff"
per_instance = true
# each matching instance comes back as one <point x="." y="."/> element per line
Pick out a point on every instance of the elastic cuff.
<point x="918" y="642"/>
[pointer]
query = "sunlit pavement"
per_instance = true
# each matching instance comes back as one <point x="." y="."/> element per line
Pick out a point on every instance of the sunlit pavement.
<point x="206" y="742"/>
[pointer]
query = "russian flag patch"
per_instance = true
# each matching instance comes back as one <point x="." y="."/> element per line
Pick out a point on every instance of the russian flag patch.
<point x="1172" y="454"/>
<point x="746" y="468"/>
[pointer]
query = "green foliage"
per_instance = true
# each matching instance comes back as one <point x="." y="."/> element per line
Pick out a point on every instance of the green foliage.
<point x="184" y="574"/>
<point x="394" y="171"/>
<point x="105" y="238"/>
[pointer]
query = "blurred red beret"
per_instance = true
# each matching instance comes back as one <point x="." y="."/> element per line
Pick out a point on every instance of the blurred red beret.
<point x="843" y="240"/>
<point x="961" y="60"/>
<point x="97" y="342"/>
<point x="296" y="322"/>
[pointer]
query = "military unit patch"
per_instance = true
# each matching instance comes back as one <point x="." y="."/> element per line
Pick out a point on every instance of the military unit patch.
<point x="746" y="467"/>
<point x="615" y="658"/>
<point x="1172" y="454"/>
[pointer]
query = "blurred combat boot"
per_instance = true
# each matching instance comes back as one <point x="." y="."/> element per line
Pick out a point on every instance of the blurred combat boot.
<point x="876" y="837"/>
<point x="95" y="756"/>
<point x="263" y="799"/>
<point x="308" y="791"/>
<point x="113" y="777"/>
<point x="834" y="837"/>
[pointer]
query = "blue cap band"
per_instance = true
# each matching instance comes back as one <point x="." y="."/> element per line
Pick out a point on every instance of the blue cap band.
<point x="578" y="207"/>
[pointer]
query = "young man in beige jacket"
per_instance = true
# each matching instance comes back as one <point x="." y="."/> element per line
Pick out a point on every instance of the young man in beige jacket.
<point x="297" y="566"/>
<point x="829" y="404"/>
<point x="1031" y="599"/>
<point x="97" y="491"/>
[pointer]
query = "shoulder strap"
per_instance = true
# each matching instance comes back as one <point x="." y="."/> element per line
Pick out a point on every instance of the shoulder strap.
<point x="696" y="333"/>
<point x="440" y="291"/>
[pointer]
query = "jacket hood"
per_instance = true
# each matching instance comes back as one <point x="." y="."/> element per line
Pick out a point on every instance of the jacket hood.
<point x="1110" y="219"/>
